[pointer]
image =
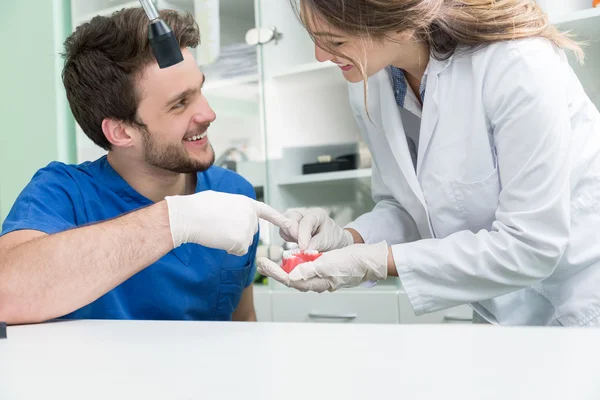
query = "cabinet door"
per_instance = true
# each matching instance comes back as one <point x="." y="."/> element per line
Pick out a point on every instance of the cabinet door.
<point x="305" y="101"/>
<point x="558" y="9"/>
<point x="456" y="315"/>
<point x="583" y="22"/>
<point x="306" y="115"/>
<point x="232" y="81"/>
<point x="295" y="47"/>
<point x="346" y="306"/>
<point x="262" y="303"/>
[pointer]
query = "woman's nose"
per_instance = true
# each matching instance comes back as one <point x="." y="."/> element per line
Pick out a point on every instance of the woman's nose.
<point x="322" y="55"/>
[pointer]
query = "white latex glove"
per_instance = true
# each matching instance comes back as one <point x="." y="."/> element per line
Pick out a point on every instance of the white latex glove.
<point x="342" y="268"/>
<point x="219" y="220"/>
<point x="314" y="230"/>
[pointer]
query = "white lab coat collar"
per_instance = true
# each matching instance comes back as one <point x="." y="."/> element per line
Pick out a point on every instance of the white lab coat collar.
<point x="390" y="119"/>
<point x="386" y="117"/>
<point x="430" y="107"/>
<point x="391" y="122"/>
<point x="435" y="66"/>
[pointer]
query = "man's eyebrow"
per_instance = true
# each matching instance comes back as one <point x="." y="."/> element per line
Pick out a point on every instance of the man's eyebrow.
<point x="185" y="93"/>
<point x="180" y="96"/>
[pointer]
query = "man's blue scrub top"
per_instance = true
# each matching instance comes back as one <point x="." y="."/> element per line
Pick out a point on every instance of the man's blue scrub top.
<point x="191" y="282"/>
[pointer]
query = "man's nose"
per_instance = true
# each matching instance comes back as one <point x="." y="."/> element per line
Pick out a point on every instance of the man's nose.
<point x="204" y="113"/>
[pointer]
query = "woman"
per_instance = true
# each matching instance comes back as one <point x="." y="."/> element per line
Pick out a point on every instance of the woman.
<point x="486" y="154"/>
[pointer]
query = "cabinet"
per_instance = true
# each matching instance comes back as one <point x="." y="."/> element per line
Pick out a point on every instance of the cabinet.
<point x="277" y="109"/>
<point x="262" y="303"/>
<point x="584" y="24"/>
<point x="344" y="306"/>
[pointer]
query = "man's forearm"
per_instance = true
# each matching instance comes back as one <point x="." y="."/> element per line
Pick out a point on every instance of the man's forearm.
<point x="56" y="274"/>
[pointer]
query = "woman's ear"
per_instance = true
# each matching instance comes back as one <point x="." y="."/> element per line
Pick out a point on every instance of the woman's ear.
<point x="404" y="35"/>
<point x="117" y="133"/>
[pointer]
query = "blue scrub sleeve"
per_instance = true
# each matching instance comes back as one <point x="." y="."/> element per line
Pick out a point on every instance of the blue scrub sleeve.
<point x="248" y="190"/>
<point x="252" y="259"/>
<point x="46" y="204"/>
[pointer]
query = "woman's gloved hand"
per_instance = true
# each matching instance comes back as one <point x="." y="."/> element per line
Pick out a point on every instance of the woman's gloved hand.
<point x="313" y="229"/>
<point x="219" y="220"/>
<point x="342" y="268"/>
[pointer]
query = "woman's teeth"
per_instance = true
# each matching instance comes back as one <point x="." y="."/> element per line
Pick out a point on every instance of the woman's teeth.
<point x="197" y="137"/>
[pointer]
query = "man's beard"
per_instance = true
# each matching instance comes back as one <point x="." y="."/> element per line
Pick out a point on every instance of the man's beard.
<point x="174" y="158"/>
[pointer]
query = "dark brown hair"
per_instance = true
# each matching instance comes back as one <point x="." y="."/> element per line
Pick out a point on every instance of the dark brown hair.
<point x="103" y="58"/>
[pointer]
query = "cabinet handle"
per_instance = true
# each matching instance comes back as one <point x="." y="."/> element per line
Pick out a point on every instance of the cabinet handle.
<point x="332" y="316"/>
<point x="256" y="36"/>
<point x="452" y="318"/>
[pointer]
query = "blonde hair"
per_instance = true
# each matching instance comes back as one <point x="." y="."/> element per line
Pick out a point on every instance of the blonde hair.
<point x="447" y="26"/>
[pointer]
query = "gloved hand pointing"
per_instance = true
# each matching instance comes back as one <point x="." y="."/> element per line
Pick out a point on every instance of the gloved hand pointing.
<point x="219" y="220"/>
<point x="314" y="229"/>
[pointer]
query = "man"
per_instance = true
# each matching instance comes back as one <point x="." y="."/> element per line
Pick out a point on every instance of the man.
<point x="150" y="231"/>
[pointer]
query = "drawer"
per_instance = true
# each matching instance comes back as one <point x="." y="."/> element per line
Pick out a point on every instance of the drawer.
<point x="262" y="303"/>
<point x="455" y="315"/>
<point x="344" y="306"/>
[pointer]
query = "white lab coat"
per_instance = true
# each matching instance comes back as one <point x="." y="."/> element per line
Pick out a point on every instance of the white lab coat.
<point x="502" y="210"/>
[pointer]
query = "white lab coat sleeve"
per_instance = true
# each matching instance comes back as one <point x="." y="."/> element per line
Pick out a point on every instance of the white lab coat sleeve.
<point x="388" y="220"/>
<point x="524" y="93"/>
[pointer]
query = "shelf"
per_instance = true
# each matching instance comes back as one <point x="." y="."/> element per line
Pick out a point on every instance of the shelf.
<point x="242" y="88"/>
<point x="328" y="177"/>
<point x="216" y="84"/>
<point x="584" y="23"/>
<point x="305" y="68"/>
<point x="228" y="87"/>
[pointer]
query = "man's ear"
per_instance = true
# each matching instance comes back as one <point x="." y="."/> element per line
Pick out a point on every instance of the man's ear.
<point x="117" y="133"/>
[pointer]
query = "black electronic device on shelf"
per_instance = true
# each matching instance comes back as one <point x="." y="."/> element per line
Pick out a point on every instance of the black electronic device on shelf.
<point x="327" y="164"/>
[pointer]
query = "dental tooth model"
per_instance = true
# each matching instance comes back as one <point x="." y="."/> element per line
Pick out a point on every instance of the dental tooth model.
<point x="292" y="258"/>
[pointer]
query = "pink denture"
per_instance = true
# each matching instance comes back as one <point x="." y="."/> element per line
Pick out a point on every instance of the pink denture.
<point x="293" y="258"/>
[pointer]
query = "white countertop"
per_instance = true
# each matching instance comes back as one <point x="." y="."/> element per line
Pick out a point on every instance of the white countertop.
<point x="246" y="361"/>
